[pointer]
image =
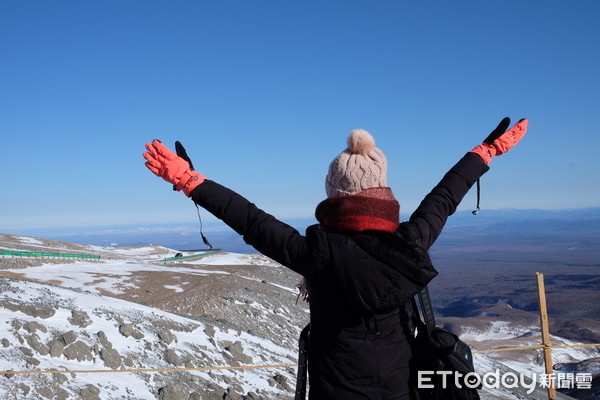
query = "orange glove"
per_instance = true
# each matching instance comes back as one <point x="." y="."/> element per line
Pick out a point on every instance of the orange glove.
<point x="500" y="140"/>
<point x="172" y="168"/>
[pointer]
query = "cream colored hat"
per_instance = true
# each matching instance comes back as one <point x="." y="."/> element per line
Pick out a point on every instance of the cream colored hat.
<point x="361" y="166"/>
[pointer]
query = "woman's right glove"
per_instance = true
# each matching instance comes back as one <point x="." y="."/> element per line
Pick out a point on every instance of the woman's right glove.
<point x="173" y="168"/>
<point x="500" y="140"/>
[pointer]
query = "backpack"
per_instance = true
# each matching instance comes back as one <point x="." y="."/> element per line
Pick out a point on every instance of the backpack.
<point x="440" y="357"/>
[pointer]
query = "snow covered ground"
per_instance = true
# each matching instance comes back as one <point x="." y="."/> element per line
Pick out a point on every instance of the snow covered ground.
<point x="131" y="312"/>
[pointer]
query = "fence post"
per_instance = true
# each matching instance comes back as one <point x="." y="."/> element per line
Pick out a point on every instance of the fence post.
<point x="545" y="335"/>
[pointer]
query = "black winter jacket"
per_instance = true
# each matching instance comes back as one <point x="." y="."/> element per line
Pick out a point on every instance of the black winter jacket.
<point x="359" y="284"/>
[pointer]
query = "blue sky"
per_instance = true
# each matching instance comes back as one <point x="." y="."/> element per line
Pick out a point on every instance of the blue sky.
<point x="264" y="93"/>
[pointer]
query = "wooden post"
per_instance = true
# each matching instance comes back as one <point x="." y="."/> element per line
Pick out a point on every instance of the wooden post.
<point x="545" y="334"/>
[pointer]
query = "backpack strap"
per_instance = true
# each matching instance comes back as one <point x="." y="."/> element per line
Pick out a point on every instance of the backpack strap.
<point x="426" y="308"/>
<point x="302" y="364"/>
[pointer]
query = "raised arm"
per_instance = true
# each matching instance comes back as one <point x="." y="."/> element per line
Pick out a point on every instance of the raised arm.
<point x="428" y="220"/>
<point x="264" y="232"/>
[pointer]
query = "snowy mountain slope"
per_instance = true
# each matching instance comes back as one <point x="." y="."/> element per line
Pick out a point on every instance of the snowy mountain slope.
<point x="51" y="328"/>
<point x="132" y="311"/>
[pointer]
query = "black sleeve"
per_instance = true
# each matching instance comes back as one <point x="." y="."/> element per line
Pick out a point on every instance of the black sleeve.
<point x="430" y="217"/>
<point x="262" y="231"/>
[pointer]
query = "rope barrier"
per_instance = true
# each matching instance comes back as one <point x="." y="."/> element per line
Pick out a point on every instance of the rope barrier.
<point x="539" y="346"/>
<point x="98" y="371"/>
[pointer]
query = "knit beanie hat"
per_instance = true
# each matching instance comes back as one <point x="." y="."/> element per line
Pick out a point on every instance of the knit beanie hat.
<point x="361" y="166"/>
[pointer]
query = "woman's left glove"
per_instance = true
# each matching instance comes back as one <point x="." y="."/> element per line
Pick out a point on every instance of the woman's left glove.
<point x="172" y="168"/>
<point x="501" y="140"/>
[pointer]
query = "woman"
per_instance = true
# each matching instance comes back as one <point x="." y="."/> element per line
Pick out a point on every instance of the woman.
<point x="361" y="266"/>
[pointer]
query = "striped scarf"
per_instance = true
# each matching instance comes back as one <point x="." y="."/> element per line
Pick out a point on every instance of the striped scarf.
<point x="373" y="209"/>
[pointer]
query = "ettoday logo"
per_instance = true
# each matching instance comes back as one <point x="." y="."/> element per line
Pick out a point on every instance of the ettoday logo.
<point x="497" y="379"/>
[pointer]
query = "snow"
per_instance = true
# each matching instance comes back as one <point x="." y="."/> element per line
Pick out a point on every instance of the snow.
<point x="178" y="289"/>
<point x="80" y="285"/>
<point x="102" y="311"/>
<point x="30" y="240"/>
<point x="223" y="259"/>
<point x="99" y="276"/>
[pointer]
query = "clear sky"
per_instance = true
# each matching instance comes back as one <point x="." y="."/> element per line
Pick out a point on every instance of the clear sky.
<point x="264" y="93"/>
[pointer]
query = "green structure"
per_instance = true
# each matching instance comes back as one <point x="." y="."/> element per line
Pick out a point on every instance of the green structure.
<point x="204" y="253"/>
<point x="45" y="254"/>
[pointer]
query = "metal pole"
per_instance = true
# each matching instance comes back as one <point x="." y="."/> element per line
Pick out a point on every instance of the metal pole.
<point x="545" y="335"/>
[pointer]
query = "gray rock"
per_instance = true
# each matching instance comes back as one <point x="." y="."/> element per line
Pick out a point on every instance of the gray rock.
<point x="137" y="335"/>
<point x="33" y="326"/>
<point x="235" y="352"/>
<point x="26" y="389"/>
<point x="33" y="310"/>
<point x="56" y="347"/>
<point x="210" y="330"/>
<point x="79" y="318"/>
<point x="166" y="337"/>
<point x="90" y="392"/>
<point x="111" y="358"/>
<point x="172" y="357"/>
<point x="279" y="381"/>
<point x="68" y="338"/>
<point x="61" y="394"/>
<point x="34" y="342"/>
<point x="104" y="340"/>
<point x="5" y="342"/>
<point x="32" y="361"/>
<point x="45" y="392"/>
<point x="26" y="351"/>
<point x="128" y="330"/>
<point x="173" y="391"/>
<point x="78" y="351"/>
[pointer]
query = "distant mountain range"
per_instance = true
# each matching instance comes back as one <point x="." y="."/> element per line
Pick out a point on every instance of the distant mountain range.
<point x="488" y="226"/>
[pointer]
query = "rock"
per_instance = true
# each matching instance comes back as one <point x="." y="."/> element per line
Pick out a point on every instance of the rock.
<point x="34" y="342"/>
<point x="104" y="340"/>
<point x="33" y="310"/>
<point x="280" y="382"/>
<point x="90" y="392"/>
<point x="5" y="342"/>
<point x="111" y="358"/>
<point x="167" y="337"/>
<point x="126" y="330"/>
<point x="78" y="351"/>
<point x="137" y="335"/>
<point x="173" y="391"/>
<point x="236" y="352"/>
<point x="26" y="389"/>
<point x="32" y="361"/>
<point x="68" y="338"/>
<point x="26" y="351"/>
<point x="56" y="347"/>
<point x="210" y="331"/>
<point x="61" y="394"/>
<point x="79" y="318"/>
<point x="45" y="392"/>
<point x="33" y="326"/>
<point x="172" y="357"/>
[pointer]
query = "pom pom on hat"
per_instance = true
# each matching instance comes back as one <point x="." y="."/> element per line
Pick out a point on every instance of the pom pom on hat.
<point x="360" y="142"/>
<point x="361" y="166"/>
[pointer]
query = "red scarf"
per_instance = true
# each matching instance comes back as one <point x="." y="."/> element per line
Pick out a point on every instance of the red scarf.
<point x="373" y="209"/>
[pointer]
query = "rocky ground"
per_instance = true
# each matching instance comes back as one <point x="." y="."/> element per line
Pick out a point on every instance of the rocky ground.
<point x="133" y="311"/>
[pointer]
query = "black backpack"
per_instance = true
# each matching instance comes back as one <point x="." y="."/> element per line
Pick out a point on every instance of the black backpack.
<point x="440" y="356"/>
